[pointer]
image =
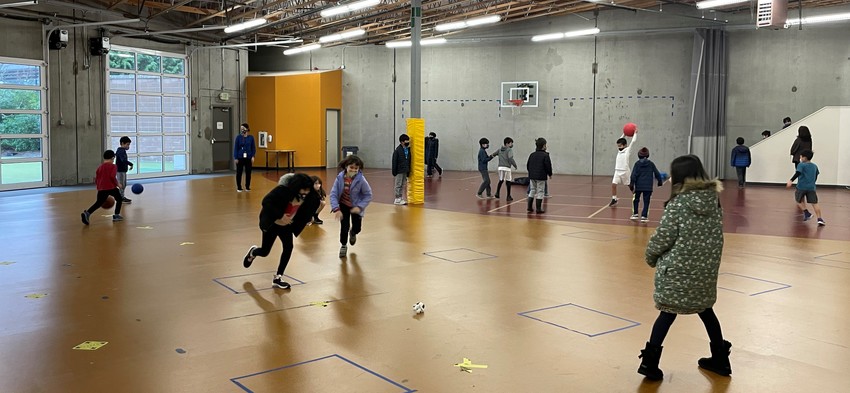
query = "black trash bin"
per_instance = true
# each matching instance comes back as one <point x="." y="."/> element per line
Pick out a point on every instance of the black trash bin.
<point x="349" y="151"/>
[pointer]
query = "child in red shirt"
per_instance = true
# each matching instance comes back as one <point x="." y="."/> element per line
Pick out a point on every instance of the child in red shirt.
<point x="107" y="185"/>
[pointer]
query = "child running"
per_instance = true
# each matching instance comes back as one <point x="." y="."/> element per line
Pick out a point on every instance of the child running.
<point x="350" y="196"/>
<point x="286" y="210"/>
<point x="107" y="185"/>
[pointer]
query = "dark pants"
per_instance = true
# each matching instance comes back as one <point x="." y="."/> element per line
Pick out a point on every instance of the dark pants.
<point x="352" y="221"/>
<point x="665" y="320"/>
<point x="102" y="195"/>
<point x="485" y="185"/>
<point x="285" y="235"/>
<point x="246" y="164"/>
<point x="432" y="164"/>
<point x="742" y="175"/>
<point x="646" y="196"/>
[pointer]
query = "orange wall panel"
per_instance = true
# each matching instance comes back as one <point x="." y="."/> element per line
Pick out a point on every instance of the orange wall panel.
<point x="260" y="97"/>
<point x="331" y="99"/>
<point x="298" y="120"/>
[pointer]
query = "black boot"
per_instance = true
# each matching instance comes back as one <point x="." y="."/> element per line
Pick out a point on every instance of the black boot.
<point x="650" y="356"/>
<point x="719" y="361"/>
<point x="508" y="188"/>
<point x="539" y="206"/>
<point x="499" y="188"/>
<point x="530" y="205"/>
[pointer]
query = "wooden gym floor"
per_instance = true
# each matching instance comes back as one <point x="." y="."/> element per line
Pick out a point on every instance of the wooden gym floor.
<point x="554" y="303"/>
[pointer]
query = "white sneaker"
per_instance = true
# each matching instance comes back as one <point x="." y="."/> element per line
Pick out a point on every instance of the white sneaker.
<point x="402" y="202"/>
<point x="397" y="201"/>
<point x="644" y="219"/>
<point x="634" y="217"/>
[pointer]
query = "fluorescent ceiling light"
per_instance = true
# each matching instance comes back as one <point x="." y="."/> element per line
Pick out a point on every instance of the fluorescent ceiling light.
<point x="300" y="49"/>
<point x="342" y="36"/>
<point x="569" y="34"/>
<point x="468" y="23"/>
<point x="818" y="19"/>
<point x="245" y="25"/>
<point x="407" y="43"/>
<point x="718" y="3"/>
<point x="350" y="7"/>
<point x="547" y="37"/>
<point x="19" y="4"/>
<point x="579" y="33"/>
<point x="483" y="20"/>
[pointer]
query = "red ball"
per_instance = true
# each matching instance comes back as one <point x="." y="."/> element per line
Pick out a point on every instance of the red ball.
<point x="110" y="201"/>
<point x="630" y="129"/>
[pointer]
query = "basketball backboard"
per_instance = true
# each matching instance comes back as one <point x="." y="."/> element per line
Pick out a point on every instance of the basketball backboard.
<point x="525" y="91"/>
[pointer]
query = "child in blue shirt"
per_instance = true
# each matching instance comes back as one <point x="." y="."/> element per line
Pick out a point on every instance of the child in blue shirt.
<point x="807" y="173"/>
<point x="741" y="160"/>
<point x="483" y="160"/>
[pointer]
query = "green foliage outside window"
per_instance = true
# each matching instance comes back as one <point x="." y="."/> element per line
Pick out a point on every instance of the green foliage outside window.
<point x="149" y="63"/>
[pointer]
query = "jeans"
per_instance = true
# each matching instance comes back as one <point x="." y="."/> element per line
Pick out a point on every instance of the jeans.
<point x="485" y="185"/>
<point x="742" y="175"/>
<point x="646" y="196"/>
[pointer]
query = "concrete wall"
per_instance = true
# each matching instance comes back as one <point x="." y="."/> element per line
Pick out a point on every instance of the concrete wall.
<point x="774" y="74"/>
<point x="76" y="129"/>
<point x="648" y="59"/>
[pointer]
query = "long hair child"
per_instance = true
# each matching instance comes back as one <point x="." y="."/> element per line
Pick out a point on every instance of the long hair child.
<point x="350" y="195"/>
<point x="685" y="252"/>
<point x="286" y="210"/>
<point x="317" y="185"/>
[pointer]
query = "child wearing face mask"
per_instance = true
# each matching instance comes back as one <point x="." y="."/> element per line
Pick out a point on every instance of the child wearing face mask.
<point x="286" y="210"/>
<point x="317" y="185"/>
<point x="622" y="169"/>
<point x="350" y="195"/>
<point x="401" y="168"/>
<point x="243" y="155"/>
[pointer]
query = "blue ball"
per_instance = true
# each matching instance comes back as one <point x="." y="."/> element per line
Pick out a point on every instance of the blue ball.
<point x="664" y="176"/>
<point x="137" y="188"/>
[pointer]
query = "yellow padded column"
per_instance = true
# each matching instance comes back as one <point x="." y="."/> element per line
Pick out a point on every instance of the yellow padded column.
<point x="416" y="182"/>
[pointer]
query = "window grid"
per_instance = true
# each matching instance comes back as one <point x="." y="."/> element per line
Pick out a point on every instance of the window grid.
<point x="24" y="164"/>
<point x="158" y="147"/>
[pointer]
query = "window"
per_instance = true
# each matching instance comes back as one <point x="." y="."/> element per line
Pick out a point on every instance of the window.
<point x="148" y="102"/>
<point x="23" y="124"/>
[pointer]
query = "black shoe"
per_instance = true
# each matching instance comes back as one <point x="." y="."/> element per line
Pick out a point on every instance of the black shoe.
<point x="650" y="356"/>
<point x="718" y="363"/>
<point x="613" y="202"/>
<point x="126" y="200"/>
<point x="343" y="251"/>
<point x="539" y="203"/>
<point x="317" y="221"/>
<point x="279" y="283"/>
<point x="85" y="216"/>
<point x="509" y="198"/>
<point x="352" y="238"/>
<point x="249" y="257"/>
<point x="530" y="205"/>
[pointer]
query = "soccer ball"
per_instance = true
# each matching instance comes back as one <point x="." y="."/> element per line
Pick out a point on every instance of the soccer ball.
<point x="419" y="307"/>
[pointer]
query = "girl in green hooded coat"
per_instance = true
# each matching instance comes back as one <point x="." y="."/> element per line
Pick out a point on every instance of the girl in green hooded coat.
<point x="685" y="252"/>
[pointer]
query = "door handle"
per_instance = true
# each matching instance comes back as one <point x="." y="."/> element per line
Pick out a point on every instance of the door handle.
<point x="212" y="141"/>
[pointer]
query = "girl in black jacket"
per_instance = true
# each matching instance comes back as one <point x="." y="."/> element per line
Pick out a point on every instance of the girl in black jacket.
<point x="287" y="209"/>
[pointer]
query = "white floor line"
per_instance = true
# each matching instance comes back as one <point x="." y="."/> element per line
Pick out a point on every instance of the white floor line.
<point x="503" y="206"/>
<point x="598" y="211"/>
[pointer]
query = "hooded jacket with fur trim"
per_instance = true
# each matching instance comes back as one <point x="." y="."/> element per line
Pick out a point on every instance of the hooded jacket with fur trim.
<point x="686" y="247"/>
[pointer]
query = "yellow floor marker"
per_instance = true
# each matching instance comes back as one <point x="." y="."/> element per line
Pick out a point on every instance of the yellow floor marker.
<point x="6" y="263"/>
<point x="319" y="304"/>
<point x="467" y="365"/>
<point x="36" y="295"/>
<point x="187" y="243"/>
<point x="91" y="345"/>
<point x="145" y="227"/>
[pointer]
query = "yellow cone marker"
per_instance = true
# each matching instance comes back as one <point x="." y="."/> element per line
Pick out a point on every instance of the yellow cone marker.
<point x="36" y="296"/>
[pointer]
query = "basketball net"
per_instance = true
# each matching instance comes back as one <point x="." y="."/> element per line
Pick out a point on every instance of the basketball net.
<point x="517" y="106"/>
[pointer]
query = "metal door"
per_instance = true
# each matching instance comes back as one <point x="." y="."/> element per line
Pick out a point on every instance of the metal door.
<point x="332" y="132"/>
<point x="222" y="139"/>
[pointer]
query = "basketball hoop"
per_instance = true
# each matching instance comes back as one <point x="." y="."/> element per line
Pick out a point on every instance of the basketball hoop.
<point x="517" y="106"/>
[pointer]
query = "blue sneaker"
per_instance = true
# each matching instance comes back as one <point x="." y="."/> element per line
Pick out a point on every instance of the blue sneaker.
<point x="806" y="215"/>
